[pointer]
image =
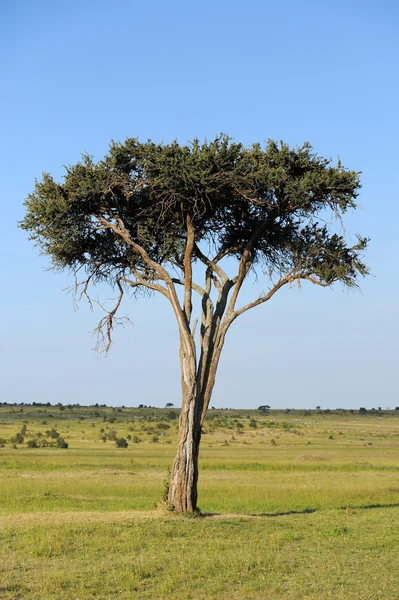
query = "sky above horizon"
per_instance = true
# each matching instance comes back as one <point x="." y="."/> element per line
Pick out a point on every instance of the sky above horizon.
<point x="77" y="75"/>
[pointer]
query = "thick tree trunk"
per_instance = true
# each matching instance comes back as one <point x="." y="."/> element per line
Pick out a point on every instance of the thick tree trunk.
<point x="182" y="496"/>
<point x="197" y="390"/>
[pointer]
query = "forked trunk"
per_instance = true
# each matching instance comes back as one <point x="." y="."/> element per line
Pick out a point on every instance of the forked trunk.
<point x="197" y="390"/>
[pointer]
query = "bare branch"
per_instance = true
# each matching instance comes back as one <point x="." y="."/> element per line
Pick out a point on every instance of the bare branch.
<point x="197" y="288"/>
<point x="143" y="282"/>
<point x="120" y="229"/>
<point x="103" y="331"/>
<point x="290" y="278"/>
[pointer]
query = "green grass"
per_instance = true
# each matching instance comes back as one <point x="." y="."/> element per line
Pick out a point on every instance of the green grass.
<point x="326" y="554"/>
<point x="303" y="517"/>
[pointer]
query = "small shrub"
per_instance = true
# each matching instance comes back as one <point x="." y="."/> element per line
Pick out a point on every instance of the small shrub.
<point x="53" y="434"/>
<point x="32" y="444"/>
<point x="172" y="415"/>
<point x="121" y="443"/>
<point x="2" y="443"/>
<point x="18" y="438"/>
<point x="61" y="443"/>
<point x="136" y="439"/>
<point x="163" y="426"/>
<point x="155" y="439"/>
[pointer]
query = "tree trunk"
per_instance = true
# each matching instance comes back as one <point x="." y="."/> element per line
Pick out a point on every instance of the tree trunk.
<point x="182" y="496"/>
<point x="197" y="390"/>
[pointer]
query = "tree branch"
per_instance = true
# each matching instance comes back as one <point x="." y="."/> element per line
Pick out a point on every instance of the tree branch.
<point x="188" y="270"/>
<point x="283" y="281"/>
<point x="215" y="268"/>
<point x="120" y="229"/>
<point x="106" y="325"/>
<point x="197" y="288"/>
<point x="142" y="282"/>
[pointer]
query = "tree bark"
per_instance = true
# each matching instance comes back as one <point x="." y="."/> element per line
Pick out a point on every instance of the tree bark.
<point x="182" y="496"/>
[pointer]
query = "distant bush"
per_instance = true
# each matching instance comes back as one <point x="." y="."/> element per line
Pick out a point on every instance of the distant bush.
<point x="53" y="434"/>
<point x="2" y="442"/>
<point x="252" y="423"/>
<point x="18" y="438"/>
<point x="61" y="443"/>
<point x="155" y="439"/>
<point x="136" y="439"/>
<point x="121" y="443"/>
<point x="172" y="415"/>
<point x="362" y="410"/>
<point x="32" y="444"/>
<point x="163" y="426"/>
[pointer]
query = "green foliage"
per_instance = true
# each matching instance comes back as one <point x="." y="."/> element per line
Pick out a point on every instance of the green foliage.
<point x="163" y="426"/>
<point x="121" y="443"/>
<point x="32" y="444"/>
<point x="53" y="434"/>
<point x="172" y="415"/>
<point x="273" y="195"/>
<point x="61" y="443"/>
<point x="18" y="438"/>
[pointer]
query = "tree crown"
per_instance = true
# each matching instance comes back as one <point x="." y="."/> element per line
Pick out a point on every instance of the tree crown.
<point x="269" y="202"/>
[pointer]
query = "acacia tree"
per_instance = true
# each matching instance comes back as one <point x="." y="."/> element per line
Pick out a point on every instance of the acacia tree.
<point x="144" y="215"/>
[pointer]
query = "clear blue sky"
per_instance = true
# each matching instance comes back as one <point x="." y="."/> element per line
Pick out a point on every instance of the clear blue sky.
<point x="77" y="74"/>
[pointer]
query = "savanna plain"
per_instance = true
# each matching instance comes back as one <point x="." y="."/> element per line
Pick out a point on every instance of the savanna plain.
<point x="294" y="505"/>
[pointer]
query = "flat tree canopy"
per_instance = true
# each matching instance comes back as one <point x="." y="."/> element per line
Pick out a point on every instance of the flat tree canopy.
<point x="140" y="218"/>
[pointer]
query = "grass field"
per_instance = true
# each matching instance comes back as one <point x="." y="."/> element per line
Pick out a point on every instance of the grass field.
<point x="296" y="505"/>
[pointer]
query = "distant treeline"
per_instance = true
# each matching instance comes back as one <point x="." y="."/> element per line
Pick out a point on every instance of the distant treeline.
<point x="263" y="408"/>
